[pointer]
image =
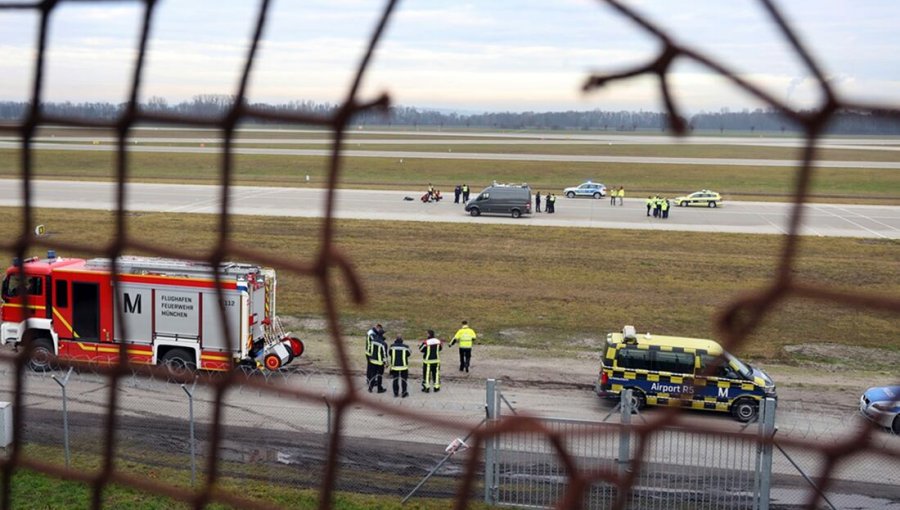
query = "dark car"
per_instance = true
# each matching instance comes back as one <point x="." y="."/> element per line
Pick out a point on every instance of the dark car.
<point x="506" y="199"/>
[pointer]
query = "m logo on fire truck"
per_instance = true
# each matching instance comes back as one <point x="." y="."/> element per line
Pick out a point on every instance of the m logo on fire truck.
<point x="132" y="306"/>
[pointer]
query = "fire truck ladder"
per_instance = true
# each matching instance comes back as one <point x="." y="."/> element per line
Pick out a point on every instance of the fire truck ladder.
<point x="170" y="267"/>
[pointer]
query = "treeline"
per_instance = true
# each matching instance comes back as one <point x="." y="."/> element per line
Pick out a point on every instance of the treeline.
<point x="846" y="122"/>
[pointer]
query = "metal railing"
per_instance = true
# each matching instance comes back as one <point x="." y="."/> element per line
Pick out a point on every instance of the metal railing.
<point x="675" y="467"/>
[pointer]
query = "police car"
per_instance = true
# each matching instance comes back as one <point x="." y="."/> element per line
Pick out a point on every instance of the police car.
<point x="703" y="197"/>
<point x="882" y="405"/>
<point x="689" y="372"/>
<point x="587" y="189"/>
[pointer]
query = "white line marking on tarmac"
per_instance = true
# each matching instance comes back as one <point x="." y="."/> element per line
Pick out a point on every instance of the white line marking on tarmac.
<point x="848" y="220"/>
<point x="778" y="227"/>
<point x="873" y="220"/>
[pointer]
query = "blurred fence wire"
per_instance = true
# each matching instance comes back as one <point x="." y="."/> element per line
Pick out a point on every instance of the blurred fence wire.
<point x="115" y="427"/>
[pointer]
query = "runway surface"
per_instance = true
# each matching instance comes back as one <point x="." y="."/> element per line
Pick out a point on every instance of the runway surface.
<point x="825" y="220"/>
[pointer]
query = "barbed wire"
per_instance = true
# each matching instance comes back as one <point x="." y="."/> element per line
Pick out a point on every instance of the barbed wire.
<point x="735" y="323"/>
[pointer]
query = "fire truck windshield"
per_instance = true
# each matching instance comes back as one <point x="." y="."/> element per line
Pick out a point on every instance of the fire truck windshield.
<point x="12" y="286"/>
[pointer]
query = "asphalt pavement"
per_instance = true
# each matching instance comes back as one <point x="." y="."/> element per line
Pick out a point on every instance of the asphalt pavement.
<point x="824" y="220"/>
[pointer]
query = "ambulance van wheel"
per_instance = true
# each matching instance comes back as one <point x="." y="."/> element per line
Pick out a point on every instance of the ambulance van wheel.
<point x="638" y="400"/>
<point x="41" y="355"/>
<point x="178" y="362"/>
<point x="745" y="410"/>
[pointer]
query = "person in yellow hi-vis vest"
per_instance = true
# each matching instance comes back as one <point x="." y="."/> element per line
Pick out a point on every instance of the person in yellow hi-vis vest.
<point x="431" y="362"/>
<point x="466" y="337"/>
<point x="376" y="364"/>
<point x="399" y="356"/>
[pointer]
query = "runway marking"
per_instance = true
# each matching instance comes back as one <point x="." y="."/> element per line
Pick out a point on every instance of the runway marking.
<point x="848" y="220"/>
<point x="778" y="227"/>
<point x="873" y="220"/>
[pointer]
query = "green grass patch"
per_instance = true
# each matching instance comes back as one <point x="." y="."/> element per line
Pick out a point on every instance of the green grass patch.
<point x="539" y="287"/>
<point x="574" y="149"/>
<point x="33" y="490"/>
<point x="406" y="173"/>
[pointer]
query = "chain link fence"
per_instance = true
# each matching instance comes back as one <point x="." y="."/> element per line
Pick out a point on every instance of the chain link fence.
<point x="268" y="436"/>
<point x="228" y="426"/>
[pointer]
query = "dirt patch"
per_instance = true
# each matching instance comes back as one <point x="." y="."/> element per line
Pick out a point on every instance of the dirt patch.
<point x="836" y="357"/>
<point x="822" y="375"/>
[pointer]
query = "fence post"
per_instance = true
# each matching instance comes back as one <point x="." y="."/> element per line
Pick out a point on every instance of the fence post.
<point x="327" y="417"/>
<point x="190" y="394"/>
<point x="767" y="433"/>
<point x="490" y="445"/>
<point x="62" y="384"/>
<point x="625" y="432"/>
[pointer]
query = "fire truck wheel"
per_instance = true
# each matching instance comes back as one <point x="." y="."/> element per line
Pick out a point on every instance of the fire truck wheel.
<point x="179" y="362"/>
<point x="41" y="355"/>
<point x="273" y="362"/>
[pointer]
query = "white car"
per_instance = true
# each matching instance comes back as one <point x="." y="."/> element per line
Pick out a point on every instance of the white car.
<point x="882" y="406"/>
<point x="588" y="189"/>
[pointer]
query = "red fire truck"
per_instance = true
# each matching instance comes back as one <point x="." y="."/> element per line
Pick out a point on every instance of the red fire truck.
<point x="170" y="310"/>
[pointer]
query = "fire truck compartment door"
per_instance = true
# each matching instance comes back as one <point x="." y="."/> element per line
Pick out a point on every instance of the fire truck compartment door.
<point x="136" y="301"/>
<point x="214" y="330"/>
<point x="177" y="313"/>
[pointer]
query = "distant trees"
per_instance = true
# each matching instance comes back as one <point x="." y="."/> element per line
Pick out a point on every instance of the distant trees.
<point x="724" y="121"/>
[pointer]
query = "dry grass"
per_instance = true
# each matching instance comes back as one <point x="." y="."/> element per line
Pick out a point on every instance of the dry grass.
<point x="540" y="287"/>
<point x="857" y="184"/>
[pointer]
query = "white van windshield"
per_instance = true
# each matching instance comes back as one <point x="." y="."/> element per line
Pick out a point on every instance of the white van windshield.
<point x="742" y="368"/>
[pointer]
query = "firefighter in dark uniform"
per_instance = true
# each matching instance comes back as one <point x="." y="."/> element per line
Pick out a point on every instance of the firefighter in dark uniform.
<point x="466" y="337"/>
<point x="376" y="364"/>
<point x="377" y="332"/>
<point x="431" y="363"/>
<point x="399" y="356"/>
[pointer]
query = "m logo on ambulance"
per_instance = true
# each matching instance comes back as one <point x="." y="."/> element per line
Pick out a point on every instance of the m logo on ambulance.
<point x="723" y="392"/>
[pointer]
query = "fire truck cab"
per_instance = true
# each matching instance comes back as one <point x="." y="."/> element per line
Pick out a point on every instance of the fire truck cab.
<point x="170" y="313"/>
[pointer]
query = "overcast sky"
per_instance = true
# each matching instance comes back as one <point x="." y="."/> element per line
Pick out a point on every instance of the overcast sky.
<point x="487" y="55"/>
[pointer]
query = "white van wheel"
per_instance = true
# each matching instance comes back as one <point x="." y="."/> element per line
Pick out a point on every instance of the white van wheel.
<point x="745" y="410"/>
<point x="638" y="400"/>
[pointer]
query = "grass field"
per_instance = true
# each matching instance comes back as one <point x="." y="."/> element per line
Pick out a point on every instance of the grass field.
<point x="831" y="184"/>
<point x="541" y="287"/>
<point x="35" y="491"/>
<point x="576" y="149"/>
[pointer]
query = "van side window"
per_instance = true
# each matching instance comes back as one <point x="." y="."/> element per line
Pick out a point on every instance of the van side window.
<point x="634" y="358"/>
<point x="723" y="371"/>
<point x="675" y="362"/>
<point x="484" y="196"/>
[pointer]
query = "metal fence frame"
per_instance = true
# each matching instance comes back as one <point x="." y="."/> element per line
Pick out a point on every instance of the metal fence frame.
<point x="672" y="468"/>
